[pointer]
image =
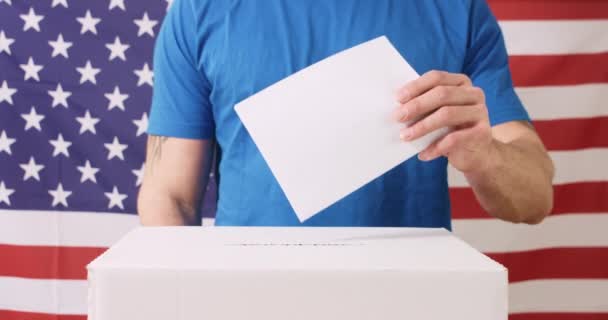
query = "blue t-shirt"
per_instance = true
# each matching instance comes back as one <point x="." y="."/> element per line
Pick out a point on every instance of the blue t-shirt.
<point x="210" y="55"/>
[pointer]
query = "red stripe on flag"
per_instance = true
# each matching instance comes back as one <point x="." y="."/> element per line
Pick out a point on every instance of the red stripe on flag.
<point x="583" y="197"/>
<point x="555" y="263"/>
<point x="46" y="262"/>
<point x="559" y="316"/>
<point x="554" y="70"/>
<point x="572" y="134"/>
<point x="549" y="9"/>
<point x="21" y="315"/>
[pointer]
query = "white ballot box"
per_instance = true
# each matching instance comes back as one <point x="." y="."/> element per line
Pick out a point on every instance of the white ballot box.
<point x="221" y="273"/>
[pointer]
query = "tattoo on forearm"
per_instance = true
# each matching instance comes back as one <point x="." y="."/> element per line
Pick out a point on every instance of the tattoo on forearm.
<point x="156" y="148"/>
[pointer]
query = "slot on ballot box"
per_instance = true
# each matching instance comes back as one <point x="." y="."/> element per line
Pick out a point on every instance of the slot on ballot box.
<point x="222" y="273"/>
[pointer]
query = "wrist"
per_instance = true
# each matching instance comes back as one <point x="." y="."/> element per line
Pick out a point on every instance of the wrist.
<point x="489" y="160"/>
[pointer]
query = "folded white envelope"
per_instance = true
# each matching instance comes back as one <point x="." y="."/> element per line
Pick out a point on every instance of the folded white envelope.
<point x="327" y="130"/>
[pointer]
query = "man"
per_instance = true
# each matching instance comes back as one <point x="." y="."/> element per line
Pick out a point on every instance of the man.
<point x="212" y="54"/>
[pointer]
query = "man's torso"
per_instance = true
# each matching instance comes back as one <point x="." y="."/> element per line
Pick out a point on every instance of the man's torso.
<point x="245" y="46"/>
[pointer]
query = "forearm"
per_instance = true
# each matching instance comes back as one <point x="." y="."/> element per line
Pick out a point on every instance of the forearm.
<point x="157" y="208"/>
<point x="515" y="184"/>
<point x="176" y="174"/>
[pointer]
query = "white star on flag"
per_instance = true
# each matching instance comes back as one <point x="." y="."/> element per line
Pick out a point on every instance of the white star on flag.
<point x="145" y="75"/>
<point x="117" y="99"/>
<point x="169" y="3"/>
<point x="31" y="69"/>
<point x="88" y="172"/>
<point x="7" y="1"/>
<point x="87" y="123"/>
<point x="142" y="124"/>
<point x="88" y="22"/>
<point x="31" y="20"/>
<point x="60" y="196"/>
<point x="6" y="93"/>
<point x="60" y="47"/>
<point x="5" y="43"/>
<point x="59" y="2"/>
<point x="31" y="169"/>
<point x="6" y="142"/>
<point x="117" y="4"/>
<point x="139" y="174"/>
<point x="60" y="146"/>
<point x="60" y="97"/>
<point x="5" y="193"/>
<point x="88" y="73"/>
<point x="145" y="25"/>
<point x="32" y="119"/>
<point x="115" y="149"/>
<point x="115" y="198"/>
<point x="117" y="49"/>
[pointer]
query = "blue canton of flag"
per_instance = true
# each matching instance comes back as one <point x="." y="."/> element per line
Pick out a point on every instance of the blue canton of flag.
<point x="75" y="87"/>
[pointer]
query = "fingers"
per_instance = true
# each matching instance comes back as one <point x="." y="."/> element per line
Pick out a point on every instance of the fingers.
<point x="453" y="141"/>
<point x="430" y="80"/>
<point x="450" y="116"/>
<point x="438" y="97"/>
<point x="442" y="99"/>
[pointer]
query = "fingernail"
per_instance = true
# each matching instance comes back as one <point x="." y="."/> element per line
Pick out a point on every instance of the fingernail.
<point x="422" y="156"/>
<point x="403" y="114"/>
<point x="406" y="134"/>
<point x="405" y="96"/>
<point x="396" y="113"/>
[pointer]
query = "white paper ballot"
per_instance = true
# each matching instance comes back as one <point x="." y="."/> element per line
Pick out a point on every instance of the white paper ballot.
<point x="327" y="130"/>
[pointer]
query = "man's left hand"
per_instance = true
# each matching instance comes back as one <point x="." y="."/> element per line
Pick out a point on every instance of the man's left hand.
<point x="447" y="100"/>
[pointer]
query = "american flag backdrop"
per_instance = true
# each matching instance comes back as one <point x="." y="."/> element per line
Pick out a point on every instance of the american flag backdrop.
<point x="76" y="80"/>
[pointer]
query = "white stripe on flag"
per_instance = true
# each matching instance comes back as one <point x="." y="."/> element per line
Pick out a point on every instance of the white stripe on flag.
<point x="570" y="166"/>
<point x="564" y="230"/>
<point x="208" y="221"/>
<point x="44" y="296"/>
<point x="565" y="102"/>
<point x="545" y="37"/>
<point x="54" y="228"/>
<point x="557" y="296"/>
<point x="488" y="235"/>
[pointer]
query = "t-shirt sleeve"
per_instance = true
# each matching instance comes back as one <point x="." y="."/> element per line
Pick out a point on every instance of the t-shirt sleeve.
<point x="180" y="99"/>
<point x="487" y="65"/>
